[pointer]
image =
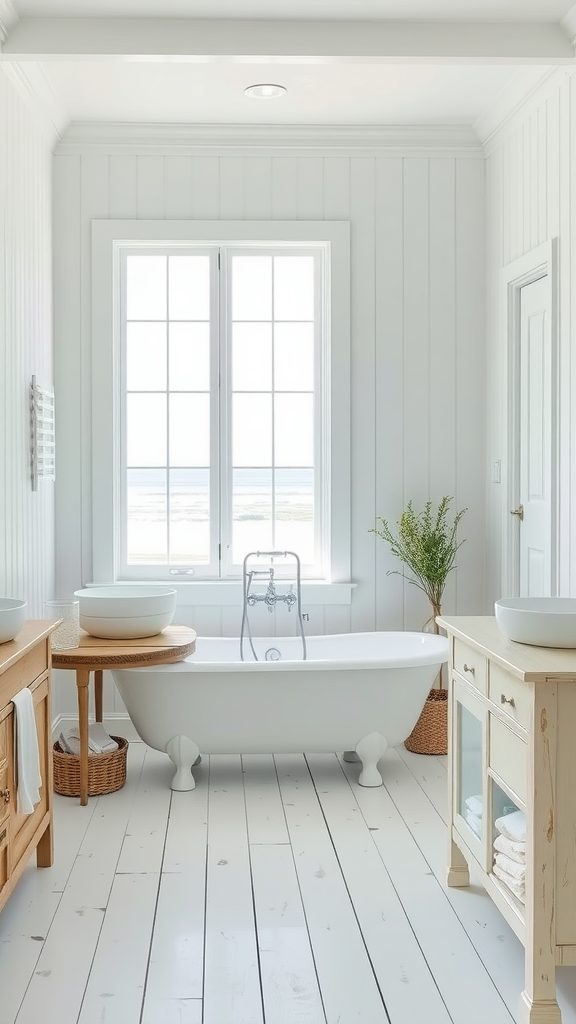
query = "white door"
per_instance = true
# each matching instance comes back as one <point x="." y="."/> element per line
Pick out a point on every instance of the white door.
<point x="536" y="569"/>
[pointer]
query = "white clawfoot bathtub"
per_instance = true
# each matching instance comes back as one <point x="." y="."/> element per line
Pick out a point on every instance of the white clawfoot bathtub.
<point x="357" y="692"/>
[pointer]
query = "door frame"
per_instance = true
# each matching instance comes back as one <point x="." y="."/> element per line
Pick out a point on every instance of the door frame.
<point x="534" y="265"/>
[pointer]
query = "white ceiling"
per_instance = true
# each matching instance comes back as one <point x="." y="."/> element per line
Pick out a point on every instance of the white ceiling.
<point x="346" y="91"/>
<point x="469" y="10"/>
<point x="317" y="94"/>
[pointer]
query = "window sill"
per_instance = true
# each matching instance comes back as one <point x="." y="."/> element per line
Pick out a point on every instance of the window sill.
<point x="229" y="592"/>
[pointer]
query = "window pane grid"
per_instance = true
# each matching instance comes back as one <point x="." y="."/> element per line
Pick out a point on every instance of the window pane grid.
<point x="286" y="504"/>
<point x="182" y="518"/>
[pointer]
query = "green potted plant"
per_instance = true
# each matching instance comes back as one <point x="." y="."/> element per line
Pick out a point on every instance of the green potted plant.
<point x="426" y="542"/>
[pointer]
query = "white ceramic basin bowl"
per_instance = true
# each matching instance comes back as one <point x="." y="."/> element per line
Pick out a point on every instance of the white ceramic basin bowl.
<point x="12" y="616"/>
<point x="124" y="613"/>
<point x="541" y="621"/>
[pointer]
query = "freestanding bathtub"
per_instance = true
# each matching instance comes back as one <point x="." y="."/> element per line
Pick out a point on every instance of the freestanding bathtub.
<point x="357" y="692"/>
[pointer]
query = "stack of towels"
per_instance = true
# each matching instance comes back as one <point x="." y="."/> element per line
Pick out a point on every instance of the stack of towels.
<point x="473" y="814"/>
<point x="99" y="742"/>
<point x="510" y="852"/>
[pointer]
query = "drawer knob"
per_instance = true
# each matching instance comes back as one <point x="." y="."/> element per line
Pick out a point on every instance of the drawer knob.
<point x="468" y="668"/>
<point x="507" y="700"/>
<point x="5" y="794"/>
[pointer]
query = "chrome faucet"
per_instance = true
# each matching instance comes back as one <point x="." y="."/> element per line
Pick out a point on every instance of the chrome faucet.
<point x="270" y="597"/>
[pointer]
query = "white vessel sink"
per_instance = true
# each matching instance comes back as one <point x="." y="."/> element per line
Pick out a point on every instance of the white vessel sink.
<point x="12" y="616"/>
<point x="125" y="612"/>
<point x="541" y="621"/>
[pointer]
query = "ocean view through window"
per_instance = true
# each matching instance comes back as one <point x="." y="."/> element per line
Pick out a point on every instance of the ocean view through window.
<point x="222" y="439"/>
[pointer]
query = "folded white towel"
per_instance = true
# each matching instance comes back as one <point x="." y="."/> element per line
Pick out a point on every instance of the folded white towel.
<point x="27" y="753"/>
<point x="474" y="822"/>
<point x="516" y="887"/>
<point x="99" y="742"/>
<point x="512" y="867"/>
<point x="516" y="851"/>
<point x="474" y="804"/>
<point x="513" y="826"/>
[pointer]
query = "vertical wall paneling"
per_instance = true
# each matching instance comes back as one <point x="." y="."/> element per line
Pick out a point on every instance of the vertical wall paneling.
<point x="362" y="299"/>
<point x="231" y="188"/>
<point x="526" y="206"/>
<point x="417" y="397"/>
<point x="284" y="188"/>
<point x="205" y="188"/>
<point x="410" y="265"/>
<point x="178" y="187"/>
<point x="389" y="358"/>
<point x="470" y="397"/>
<point x="123" y="177"/>
<point x="258" y="188"/>
<point x="443" y="348"/>
<point x="26" y="517"/>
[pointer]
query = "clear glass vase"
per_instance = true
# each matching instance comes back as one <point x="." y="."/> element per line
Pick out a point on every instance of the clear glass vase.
<point x="431" y="626"/>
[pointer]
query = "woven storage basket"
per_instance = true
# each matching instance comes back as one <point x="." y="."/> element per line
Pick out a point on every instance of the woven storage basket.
<point x="106" y="772"/>
<point x="430" y="734"/>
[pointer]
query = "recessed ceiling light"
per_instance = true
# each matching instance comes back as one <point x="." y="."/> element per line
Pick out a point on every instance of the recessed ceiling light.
<point x="265" y="92"/>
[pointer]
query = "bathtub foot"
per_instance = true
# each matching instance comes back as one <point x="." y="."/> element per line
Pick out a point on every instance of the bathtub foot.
<point x="184" y="753"/>
<point x="370" y="749"/>
<point x="350" y="755"/>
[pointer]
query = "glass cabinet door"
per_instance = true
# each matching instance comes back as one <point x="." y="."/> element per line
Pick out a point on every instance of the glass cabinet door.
<point x="469" y="766"/>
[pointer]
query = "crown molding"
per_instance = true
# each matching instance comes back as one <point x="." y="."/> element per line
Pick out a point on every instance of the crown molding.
<point x="31" y="83"/>
<point x="526" y="93"/>
<point x="170" y="139"/>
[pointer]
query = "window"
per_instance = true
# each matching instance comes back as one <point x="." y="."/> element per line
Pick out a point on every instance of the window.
<point x="220" y="372"/>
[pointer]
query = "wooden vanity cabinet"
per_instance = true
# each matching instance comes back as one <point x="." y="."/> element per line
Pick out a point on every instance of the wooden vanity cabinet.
<point x="25" y="661"/>
<point x="512" y="745"/>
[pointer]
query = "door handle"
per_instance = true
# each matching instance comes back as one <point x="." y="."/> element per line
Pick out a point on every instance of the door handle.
<point x="518" y="512"/>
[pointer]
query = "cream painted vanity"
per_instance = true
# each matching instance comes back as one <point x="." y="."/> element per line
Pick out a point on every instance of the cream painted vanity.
<point x="512" y="742"/>
<point x="25" y="661"/>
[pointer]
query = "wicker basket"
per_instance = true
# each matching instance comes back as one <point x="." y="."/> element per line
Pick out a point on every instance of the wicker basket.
<point x="430" y="734"/>
<point x="106" y="772"/>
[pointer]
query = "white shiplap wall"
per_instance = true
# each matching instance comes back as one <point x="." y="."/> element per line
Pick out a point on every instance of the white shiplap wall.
<point x="26" y="517"/>
<point x="417" y="300"/>
<point x="530" y="172"/>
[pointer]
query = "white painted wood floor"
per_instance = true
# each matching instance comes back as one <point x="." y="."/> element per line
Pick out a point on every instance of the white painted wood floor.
<point x="277" y="892"/>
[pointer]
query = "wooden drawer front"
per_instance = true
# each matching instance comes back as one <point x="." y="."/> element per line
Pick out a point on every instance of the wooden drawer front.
<point x="4" y="789"/>
<point x="510" y="694"/>
<point x="24" y="672"/>
<point x="471" y="665"/>
<point x="507" y="756"/>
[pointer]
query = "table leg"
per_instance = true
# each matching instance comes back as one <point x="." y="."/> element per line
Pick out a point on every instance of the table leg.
<point x="98" y="681"/>
<point x="82" y="683"/>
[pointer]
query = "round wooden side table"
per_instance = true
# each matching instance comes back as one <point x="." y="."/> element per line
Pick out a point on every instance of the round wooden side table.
<point x="95" y="655"/>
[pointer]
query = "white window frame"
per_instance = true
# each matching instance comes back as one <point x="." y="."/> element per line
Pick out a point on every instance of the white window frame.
<point x="108" y="238"/>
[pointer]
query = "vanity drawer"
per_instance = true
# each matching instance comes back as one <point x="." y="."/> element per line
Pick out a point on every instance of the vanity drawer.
<point x="507" y="756"/>
<point x="510" y="694"/>
<point x="471" y="665"/>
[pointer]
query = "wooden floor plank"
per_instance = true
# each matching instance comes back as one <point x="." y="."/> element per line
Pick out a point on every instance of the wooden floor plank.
<point x="173" y="1011"/>
<point x="264" y="810"/>
<point x="231" y="975"/>
<point x="449" y="953"/>
<point x="347" y="982"/>
<point x="61" y="973"/>
<point x="289" y="983"/>
<point x="143" y="847"/>
<point x="115" y="987"/>
<point x="408" y="987"/>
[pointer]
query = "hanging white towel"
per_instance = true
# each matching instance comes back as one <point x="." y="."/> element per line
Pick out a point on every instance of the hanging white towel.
<point x="513" y="826"/>
<point x="27" y="753"/>
<point x="512" y="867"/>
<point x="516" y="851"/>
